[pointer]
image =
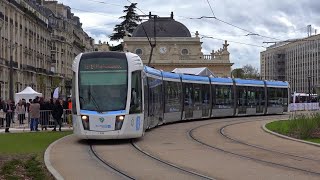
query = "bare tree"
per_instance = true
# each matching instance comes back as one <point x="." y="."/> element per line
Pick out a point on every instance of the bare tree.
<point x="250" y="72"/>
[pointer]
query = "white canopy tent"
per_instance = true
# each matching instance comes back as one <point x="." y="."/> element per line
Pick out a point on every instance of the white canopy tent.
<point x="27" y="93"/>
<point x="201" y="71"/>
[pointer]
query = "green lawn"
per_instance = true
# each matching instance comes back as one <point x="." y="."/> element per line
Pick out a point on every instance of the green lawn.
<point x="301" y="127"/>
<point x="21" y="154"/>
<point x="26" y="143"/>
<point x="281" y="127"/>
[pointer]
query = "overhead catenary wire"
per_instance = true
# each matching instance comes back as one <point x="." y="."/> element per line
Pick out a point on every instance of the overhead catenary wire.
<point x="248" y="44"/>
<point x="211" y="8"/>
<point x="250" y="33"/>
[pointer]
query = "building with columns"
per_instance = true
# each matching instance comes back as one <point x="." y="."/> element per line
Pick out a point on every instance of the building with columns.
<point x="43" y="37"/>
<point x="175" y="47"/>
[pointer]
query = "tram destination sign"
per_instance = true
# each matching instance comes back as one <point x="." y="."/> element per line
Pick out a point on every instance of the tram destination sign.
<point x="102" y="64"/>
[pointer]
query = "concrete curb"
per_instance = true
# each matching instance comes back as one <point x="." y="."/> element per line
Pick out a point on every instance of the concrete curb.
<point x="287" y="137"/>
<point x="47" y="162"/>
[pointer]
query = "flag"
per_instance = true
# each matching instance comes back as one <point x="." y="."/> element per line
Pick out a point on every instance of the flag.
<point x="56" y="93"/>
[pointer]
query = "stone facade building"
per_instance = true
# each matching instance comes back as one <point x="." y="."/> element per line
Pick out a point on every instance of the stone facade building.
<point x="101" y="46"/>
<point x="295" y="61"/>
<point x="43" y="38"/>
<point x="175" y="47"/>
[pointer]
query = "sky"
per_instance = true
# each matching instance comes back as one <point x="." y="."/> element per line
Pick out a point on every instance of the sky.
<point x="246" y="24"/>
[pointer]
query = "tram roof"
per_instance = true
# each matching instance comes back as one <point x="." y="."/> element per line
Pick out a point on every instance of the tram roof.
<point x="194" y="78"/>
<point x="277" y="83"/>
<point x="170" y="75"/>
<point x="248" y="81"/>
<point x="153" y="71"/>
<point x="221" y="80"/>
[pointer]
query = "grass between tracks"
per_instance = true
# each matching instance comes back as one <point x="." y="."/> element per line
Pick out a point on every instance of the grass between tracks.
<point x="305" y="127"/>
<point x="21" y="154"/>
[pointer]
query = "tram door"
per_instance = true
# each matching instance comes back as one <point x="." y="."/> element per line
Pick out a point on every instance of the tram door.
<point x="155" y="102"/>
<point x="242" y="100"/>
<point x="146" y="103"/>
<point x="260" y="98"/>
<point x="205" y="99"/>
<point x="188" y="100"/>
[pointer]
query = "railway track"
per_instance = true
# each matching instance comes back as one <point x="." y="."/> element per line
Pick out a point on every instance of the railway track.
<point x="221" y="131"/>
<point x="123" y="174"/>
<point x="109" y="166"/>
<point x="260" y="147"/>
<point x="170" y="164"/>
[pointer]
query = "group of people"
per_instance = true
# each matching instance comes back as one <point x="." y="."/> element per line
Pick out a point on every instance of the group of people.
<point x="38" y="110"/>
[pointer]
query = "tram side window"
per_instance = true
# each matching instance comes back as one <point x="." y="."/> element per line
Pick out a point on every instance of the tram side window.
<point x="222" y="97"/>
<point x="136" y="93"/>
<point x="285" y="96"/>
<point x="260" y="96"/>
<point x="251" y="96"/>
<point x="197" y="94"/>
<point x="188" y="98"/>
<point x="173" y="93"/>
<point x="242" y="95"/>
<point x="275" y="97"/>
<point x="205" y="94"/>
<point x="155" y="97"/>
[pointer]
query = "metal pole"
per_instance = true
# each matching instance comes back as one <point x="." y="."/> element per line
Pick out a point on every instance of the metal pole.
<point x="309" y="87"/>
<point x="11" y="74"/>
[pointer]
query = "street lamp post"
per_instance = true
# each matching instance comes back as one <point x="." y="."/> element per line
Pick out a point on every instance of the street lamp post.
<point x="11" y="96"/>
<point x="309" y="88"/>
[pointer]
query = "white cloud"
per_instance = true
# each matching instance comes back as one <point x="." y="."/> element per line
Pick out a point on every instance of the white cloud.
<point x="280" y="19"/>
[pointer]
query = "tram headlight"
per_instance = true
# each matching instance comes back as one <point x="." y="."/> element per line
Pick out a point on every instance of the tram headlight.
<point x="84" y="118"/>
<point x="85" y="122"/>
<point x="119" y="122"/>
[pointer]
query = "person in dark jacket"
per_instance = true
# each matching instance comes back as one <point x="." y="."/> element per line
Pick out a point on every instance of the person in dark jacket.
<point x="9" y="109"/>
<point x="57" y="113"/>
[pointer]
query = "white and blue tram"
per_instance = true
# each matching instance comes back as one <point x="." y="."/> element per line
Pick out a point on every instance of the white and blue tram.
<point x="116" y="97"/>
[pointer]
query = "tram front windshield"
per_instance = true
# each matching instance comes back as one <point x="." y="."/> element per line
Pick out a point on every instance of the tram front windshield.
<point x="103" y="84"/>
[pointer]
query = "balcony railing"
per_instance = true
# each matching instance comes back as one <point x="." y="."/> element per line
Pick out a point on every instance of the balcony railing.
<point x="31" y="68"/>
<point x="207" y="57"/>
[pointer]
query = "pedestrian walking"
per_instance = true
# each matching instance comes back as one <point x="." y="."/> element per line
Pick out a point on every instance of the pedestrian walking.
<point x="20" y="110"/>
<point x="57" y="113"/>
<point x="34" y="115"/>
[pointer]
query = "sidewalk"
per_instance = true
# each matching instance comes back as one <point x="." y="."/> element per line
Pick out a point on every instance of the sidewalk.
<point x="27" y="129"/>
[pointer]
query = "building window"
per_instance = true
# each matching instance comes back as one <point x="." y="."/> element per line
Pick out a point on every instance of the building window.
<point x="184" y="52"/>
<point x="139" y="51"/>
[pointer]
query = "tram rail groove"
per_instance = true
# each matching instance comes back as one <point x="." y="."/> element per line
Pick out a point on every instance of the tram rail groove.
<point x="260" y="147"/>
<point x="114" y="169"/>
<point x="190" y="133"/>
<point x="170" y="164"/>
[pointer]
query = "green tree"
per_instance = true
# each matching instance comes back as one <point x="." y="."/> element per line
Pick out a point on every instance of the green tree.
<point x="55" y="82"/>
<point x="41" y="83"/>
<point x="129" y="23"/>
<point x="250" y="72"/>
<point x="237" y="73"/>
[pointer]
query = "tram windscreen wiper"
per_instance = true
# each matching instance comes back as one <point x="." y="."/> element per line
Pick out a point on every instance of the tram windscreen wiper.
<point x="94" y="102"/>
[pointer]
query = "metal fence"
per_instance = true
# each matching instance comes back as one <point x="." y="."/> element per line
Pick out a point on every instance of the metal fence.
<point x="45" y="121"/>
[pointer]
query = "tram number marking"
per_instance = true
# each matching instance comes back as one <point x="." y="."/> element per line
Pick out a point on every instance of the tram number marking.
<point x="101" y="133"/>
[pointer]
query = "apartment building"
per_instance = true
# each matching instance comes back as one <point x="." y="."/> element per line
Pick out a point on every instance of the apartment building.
<point x="296" y="61"/>
<point x="43" y="37"/>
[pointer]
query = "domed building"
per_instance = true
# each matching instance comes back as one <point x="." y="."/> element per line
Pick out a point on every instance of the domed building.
<point x="175" y="47"/>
